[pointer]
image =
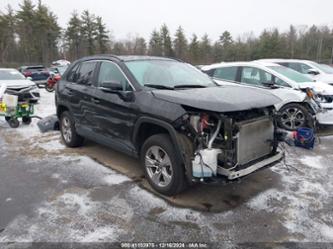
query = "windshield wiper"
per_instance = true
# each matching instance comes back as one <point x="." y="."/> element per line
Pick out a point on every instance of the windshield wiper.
<point x="159" y="86"/>
<point x="190" y="86"/>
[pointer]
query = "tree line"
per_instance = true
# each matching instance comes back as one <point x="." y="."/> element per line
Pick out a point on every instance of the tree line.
<point x="32" y="35"/>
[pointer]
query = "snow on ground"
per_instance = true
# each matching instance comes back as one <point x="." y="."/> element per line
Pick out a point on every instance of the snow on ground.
<point x="297" y="203"/>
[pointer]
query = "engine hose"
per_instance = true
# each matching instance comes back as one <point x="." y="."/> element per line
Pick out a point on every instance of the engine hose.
<point x="212" y="139"/>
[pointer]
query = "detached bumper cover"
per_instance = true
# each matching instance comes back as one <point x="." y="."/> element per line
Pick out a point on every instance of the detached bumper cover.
<point x="234" y="174"/>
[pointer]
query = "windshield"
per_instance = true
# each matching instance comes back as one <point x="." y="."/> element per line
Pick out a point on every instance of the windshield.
<point x="167" y="73"/>
<point x="322" y="67"/>
<point x="291" y="74"/>
<point x="11" y="75"/>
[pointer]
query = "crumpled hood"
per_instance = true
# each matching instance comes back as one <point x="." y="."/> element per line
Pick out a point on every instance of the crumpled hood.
<point x="285" y="94"/>
<point x="326" y="78"/>
<point x="220" y="99"/>
<point x="14" y="84"/>
<point x="318" y="87"/>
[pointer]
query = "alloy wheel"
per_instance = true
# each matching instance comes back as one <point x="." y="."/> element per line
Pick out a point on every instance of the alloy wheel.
<point x="158" y="166"/>
<point x="293" y="118"/>
<point x="66" y="129"/>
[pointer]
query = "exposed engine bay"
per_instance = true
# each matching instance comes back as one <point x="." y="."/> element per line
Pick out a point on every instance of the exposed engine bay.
<point x="232" y="144"/>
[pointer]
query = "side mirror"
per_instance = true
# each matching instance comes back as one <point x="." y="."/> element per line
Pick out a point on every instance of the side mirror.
<point x="313" y="71"/>
<point x="28" y="78"/>
<point x="111" y="86"/>
<point x="269" y="84"/>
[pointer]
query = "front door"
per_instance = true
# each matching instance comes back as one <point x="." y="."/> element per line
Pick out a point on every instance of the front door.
<point x="114" y="115"/>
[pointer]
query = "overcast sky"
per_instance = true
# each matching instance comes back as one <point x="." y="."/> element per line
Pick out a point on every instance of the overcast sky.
<point x="125" y="17"/>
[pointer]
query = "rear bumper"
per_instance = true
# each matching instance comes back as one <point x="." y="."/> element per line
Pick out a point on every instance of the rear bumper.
<point x="234" y="173"/>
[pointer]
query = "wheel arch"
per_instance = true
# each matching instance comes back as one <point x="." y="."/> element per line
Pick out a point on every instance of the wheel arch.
<point x="147" y="126"/>
<point x="61" y="109"/>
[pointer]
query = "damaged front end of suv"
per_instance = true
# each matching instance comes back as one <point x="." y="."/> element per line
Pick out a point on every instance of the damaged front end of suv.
<point x="225" y="132"/>
<point x="227" y="146"/>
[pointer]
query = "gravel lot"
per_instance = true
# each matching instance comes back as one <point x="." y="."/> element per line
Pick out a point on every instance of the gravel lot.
<point x="49" y="193"/>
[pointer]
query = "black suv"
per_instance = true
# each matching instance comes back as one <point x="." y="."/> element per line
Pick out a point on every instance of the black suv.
<point x="182" y="125"/>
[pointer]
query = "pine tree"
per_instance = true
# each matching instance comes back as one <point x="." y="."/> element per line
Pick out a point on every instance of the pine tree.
<point x="89" y="32"/>
<point x="26" y="32"/>
<point x="101" y="36"/>
<point x="194" y="50"/>
<point x="73" y="36"/>
<point x="47" y="34"/>
<point x="180" y="44"/>
<point x="7" y="36"/>
<point x="155" y="44"/>
<point x="166" y="42"/>
<point x="205" y="50"/>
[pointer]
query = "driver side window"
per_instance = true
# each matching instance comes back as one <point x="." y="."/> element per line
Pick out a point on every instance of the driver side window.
<point x="110" y="72"/>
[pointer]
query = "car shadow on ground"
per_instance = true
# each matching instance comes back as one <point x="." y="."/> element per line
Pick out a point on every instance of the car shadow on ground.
<point x="203" y="197"/>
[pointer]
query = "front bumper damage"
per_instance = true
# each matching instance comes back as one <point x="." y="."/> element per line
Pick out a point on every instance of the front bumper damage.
<point x="234" y="174"/>
<point x="236" y="148"/>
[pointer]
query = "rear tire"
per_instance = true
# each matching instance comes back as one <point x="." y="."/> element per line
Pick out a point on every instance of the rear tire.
<point x="294" y="116"/>
<point x="162" y="169"/>
<point x="68" y="131"/>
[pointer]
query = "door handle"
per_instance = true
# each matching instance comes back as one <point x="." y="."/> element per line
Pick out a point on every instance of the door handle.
<point x="95" y="100"/>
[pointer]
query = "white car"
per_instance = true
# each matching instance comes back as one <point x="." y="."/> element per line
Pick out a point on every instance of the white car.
<point x="296" y="108"/>
<point x="317" y="72"/>
<point x="15" y="83"/>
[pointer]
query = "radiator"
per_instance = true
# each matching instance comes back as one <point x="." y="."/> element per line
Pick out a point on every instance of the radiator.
<point x="254" y="139"/>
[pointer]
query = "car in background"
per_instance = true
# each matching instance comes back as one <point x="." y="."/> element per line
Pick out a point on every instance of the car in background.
<point x="60" y="63"/>
<point x="317" y="72"/>
<point x="17" y="84"/>
<point x="38" y="74"/>
<point x="297" y="108"/>
<point x="183" y="126"/>
<point x="55" y="75"/>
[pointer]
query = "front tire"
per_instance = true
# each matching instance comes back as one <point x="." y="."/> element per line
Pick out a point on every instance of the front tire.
<point x="68" y="131"/>
<point x="294" y="116"/>
<point x="162" y="169"/>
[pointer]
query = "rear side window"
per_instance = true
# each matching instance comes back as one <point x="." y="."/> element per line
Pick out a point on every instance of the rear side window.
<point x="72" y="75"/>
<point x="86" y="73"/>
<point x="226" y="73"/>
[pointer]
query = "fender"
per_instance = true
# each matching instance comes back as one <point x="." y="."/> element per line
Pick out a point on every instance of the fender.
<point x="179" y="147"/>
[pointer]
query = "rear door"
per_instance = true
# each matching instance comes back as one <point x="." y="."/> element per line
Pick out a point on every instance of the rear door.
<point x="226" y="73"/>
<point x="78" y="91"/>
<point x="114" y="115"/>
<point x="257" y="77"/>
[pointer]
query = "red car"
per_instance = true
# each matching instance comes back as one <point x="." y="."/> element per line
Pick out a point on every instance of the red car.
<point x="55" y="76"/>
